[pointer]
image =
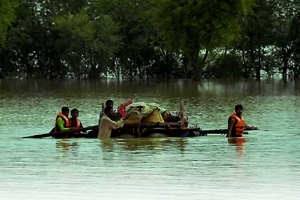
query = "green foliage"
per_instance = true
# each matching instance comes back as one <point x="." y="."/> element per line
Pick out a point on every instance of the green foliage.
<point x="208" y="23"/>
<point x="30" y="42"/>
<point x="136" y="52"/>
<point x="106" y="40"/>
<point x="225" y="66"/>
<point x="149" y="38"/>
<point x="286" y="36"/>
<point x="7" y="15"/>
<point x="85" y="43"/>
<point x="191" y="26"/>
<point x="75" y="31"/>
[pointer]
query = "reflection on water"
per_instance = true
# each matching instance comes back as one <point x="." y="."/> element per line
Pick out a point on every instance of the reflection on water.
<point x="237" y="142"/>
<point x="66" y="145"/>
<point x="152" y="144"/>
<point x="66" y="149"/>
<point x="266" y="166"/>
<point x="146" y="144"/>
<point x="107" y="145"/>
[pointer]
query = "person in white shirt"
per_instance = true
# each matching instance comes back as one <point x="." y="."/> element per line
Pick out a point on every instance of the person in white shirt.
<point x="107" y="103"/>
<point x="106" y="124"/>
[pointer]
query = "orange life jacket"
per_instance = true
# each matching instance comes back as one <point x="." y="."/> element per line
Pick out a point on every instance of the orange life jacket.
<point x="239" y="126"/>
<point x="66" y="120"/>
<point x="76" y="123"/>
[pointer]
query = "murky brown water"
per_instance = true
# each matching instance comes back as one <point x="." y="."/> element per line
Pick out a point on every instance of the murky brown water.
<point x="267" y="166"/>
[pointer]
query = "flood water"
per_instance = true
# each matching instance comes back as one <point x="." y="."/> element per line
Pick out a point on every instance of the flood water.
<point x="266" y="166"/>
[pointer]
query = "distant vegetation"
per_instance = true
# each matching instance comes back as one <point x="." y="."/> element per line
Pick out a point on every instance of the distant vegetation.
<point x="140" y="39"/>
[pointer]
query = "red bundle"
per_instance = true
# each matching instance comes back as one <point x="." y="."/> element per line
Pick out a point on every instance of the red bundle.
<point x="122" y="107"/>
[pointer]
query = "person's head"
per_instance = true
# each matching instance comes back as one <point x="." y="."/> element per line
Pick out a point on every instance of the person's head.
<point x="65" y="111"/>
<point x="109" y="103"/>
<point x="108" y="110"/>
<point x="75" y="113"/>
<point x="238" y="109"/>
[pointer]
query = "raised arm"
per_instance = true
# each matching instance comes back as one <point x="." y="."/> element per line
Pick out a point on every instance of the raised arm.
<point x="115" y="124"/>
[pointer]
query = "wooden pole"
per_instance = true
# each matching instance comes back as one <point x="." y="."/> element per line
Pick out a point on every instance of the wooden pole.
<point x="216" y="131"/>
<point x="182" y="114"/>
<point x="61" y="132"/>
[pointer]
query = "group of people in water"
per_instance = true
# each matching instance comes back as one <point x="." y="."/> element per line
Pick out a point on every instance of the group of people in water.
<point x="65" y="123"/>
<point x="236" y="122"/>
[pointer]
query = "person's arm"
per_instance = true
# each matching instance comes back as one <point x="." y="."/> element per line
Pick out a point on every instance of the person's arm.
<point x="81" y="126"/>
<point x="60" y="123"/>
<point x="230" y="126"/>
<point x="115" y="125"/>
<point x="251" y="127"/>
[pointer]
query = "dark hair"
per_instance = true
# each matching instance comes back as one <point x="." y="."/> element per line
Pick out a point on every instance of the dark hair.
<point x="239" y="106"/>
<point x="107" y="109"/>
<point x="74" y="110"/>
<point x="64" y="109"/>
<point x="109" y="102"/>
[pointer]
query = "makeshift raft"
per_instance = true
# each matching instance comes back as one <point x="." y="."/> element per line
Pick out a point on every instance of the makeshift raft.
<point x="144" y="130"/>
<point x="165" y="129"/>
<point x="139" y="126"/>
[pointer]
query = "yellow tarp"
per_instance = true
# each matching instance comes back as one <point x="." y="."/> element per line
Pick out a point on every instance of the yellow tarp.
<point x="155" y="116"/>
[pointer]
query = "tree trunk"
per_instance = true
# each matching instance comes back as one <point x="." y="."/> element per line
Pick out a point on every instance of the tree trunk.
<point x="253" y="60"/>
<point x="258" y="66"/>
<point x="197" y="66"/>
<point x="285" y="64"/>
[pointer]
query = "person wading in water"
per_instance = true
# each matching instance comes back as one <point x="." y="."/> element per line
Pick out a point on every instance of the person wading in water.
<point x="237" y="124"/>
<point x="107" y="124"/>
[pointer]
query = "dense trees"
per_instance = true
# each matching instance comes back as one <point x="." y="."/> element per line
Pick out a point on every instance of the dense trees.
<point x="192" y="26"/>
<point x="149" y="38"/>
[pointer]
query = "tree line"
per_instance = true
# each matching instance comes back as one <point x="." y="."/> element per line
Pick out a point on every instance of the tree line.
<point x="140" y="39"/>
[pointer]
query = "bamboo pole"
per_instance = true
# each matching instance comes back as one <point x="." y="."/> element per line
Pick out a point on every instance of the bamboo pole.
<point x="61" y="132"/>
